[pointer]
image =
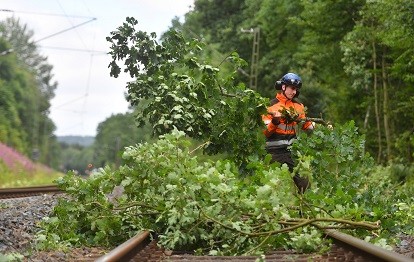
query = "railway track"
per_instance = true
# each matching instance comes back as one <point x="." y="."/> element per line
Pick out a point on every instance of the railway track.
<point x="28" y="191"/>
<point x="142" y="248"/>
<point x="345" y="248"/>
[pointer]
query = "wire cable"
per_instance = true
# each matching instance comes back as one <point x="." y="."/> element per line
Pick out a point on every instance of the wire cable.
<point x="65" y="30"/>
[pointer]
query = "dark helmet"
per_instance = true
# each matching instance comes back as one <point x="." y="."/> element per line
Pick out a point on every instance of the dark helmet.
<point x="290" y="79"/>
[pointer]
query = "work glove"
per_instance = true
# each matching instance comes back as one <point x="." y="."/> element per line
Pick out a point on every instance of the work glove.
<point x="276" y="120"/>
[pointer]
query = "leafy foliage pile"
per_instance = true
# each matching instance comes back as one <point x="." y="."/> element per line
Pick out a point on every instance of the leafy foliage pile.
<point x="211" y="208"/>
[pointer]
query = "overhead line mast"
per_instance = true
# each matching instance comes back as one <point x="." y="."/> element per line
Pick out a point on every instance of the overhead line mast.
<point x="255" y="56"/>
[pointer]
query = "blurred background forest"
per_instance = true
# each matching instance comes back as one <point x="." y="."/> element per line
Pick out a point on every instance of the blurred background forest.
<point x="355" y="57"/>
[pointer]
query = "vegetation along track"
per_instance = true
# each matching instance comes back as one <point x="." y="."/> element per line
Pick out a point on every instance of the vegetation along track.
<point x="28" y="191"/>
<point x="142" y="248"/>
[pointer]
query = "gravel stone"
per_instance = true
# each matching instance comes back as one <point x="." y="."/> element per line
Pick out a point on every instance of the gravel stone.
<point x="18" y="225"/>
<point x="19" y="218"/>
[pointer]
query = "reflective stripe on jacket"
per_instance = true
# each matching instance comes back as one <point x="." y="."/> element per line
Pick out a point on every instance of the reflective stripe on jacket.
<point x="283" y="134"/>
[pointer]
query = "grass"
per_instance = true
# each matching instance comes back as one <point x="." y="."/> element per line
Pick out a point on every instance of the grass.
<point x="19" y="177"/>
<point x="17" y="170"/>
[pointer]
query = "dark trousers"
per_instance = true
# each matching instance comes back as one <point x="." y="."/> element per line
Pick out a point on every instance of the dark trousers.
<point x="284" y="156"/>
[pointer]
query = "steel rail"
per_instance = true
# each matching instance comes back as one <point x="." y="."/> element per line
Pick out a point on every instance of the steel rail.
<point x="131" y="250"/>
<point x="367" y="247"/>
<point x="128" y="249"/>
<point x="27" y="191"/>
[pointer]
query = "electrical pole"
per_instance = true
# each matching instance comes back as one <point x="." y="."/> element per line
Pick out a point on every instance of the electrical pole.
<point x="255" y="56"/>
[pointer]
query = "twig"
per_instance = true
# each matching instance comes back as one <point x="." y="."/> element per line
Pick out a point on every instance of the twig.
<point x="259" y="245"/>
<point x="200" y="146"/>
<point x="134" y="204"/>
<point x="300" y="223"/>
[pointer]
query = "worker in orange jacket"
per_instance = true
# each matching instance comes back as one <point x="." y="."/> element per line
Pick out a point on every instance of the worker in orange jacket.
<point x="284" y="114"/>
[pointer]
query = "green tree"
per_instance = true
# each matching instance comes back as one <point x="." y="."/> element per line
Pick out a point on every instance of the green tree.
<point x="350" y="54"/>
<point x="33" y="87"/>
<point x="377" y="57"/>
<point x="318" y="55"/>
<point x="226" y="27"/>
<point x="22" y="44"/>
<point x="281" y="34"/>
<point x="76" y="158"/>
<point x="11" y="127"/>
<point x="190" y="94"/>
<point x="113" y="135"/>
<point x="279" y="38"/>
<point x="220" y="22"/>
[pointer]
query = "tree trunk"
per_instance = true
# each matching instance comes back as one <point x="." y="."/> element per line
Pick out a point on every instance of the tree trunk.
<point x="386" y="108"/>
<point x="376" y="103"/>
<point x="367" y="115"/>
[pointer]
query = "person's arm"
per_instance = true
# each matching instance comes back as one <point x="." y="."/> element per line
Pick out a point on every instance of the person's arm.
<point x="308" y="125"/>
<point x="271" y="121"/>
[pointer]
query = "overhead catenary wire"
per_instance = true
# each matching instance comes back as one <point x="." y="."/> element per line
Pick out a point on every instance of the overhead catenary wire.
<point x="90" y="19"/>
<point x="65" y="30"/>
<point x="40" y="13"/>
<point x="94" y="52"/>
<point x="70" y="22"/>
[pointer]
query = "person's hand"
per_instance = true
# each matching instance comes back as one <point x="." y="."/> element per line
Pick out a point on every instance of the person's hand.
<point x="276" y="117"/>
<point x="276" y="114"/>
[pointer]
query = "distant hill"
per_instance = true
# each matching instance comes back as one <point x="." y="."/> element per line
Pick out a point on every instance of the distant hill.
<point x="77" y="140"/>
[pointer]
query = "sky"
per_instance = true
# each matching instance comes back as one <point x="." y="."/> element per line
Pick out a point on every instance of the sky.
<point x="71" y="34"/>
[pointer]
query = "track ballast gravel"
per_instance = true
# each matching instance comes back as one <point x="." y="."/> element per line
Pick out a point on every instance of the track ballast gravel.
<point x="18" y="225"/>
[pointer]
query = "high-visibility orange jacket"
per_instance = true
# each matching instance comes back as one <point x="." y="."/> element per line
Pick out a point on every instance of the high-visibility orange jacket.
<point x="283" y="134"/>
